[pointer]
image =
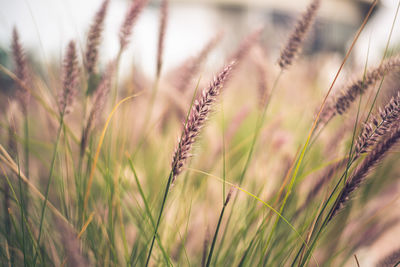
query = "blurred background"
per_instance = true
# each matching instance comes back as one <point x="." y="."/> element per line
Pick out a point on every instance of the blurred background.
<point x="46" y="26"/>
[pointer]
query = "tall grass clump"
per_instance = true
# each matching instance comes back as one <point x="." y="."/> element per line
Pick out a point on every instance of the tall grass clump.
<point x="92" y="172"/>
<point x="196" y="120"/>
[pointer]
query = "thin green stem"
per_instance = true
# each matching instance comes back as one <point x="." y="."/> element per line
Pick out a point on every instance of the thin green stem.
<point x="159" y="216"/>
<point x="259" y="124"/>
<point x="48" y="183"/>
<point x="351" y="160"/>
<point x="223" y="150"/>
<point x="171" y="175"/>
<point x="215" y="236"/>
<point x="147" y="207"/>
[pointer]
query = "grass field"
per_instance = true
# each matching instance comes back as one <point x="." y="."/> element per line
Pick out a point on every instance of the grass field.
<point x="258" y="161"/>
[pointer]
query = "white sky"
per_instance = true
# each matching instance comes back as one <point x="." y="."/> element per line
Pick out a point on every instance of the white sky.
<point x="47" y="25"/>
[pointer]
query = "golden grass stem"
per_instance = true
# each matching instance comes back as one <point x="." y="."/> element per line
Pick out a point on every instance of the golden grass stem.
<point x="96" y="157"/>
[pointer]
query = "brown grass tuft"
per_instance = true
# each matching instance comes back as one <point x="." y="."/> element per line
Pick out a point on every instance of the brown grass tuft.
<point x="131" y="16"/>
<point x="259" y="59"/>
<point x="70" y="79"/>
<point x="21" y="70"/>
<point x="94" y="38"/>
<point x="191" y="67"/>
<point x="161" y="35"/>
<point x="100" y="96"/>
<point x="293" y="45"/>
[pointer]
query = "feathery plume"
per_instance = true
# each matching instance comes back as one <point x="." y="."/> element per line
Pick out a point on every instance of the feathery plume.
<point x="390" y="260"/>
<point x="245" y="46"/>
<point x="184" y="74"/>
<point x="358" y="176"/>
<point x="375" y="129"/>
<point x="21" y="69"/>
<point x="293" y="45"/>
<point x="131" y="16"/>
<point x="259" y="59"/>
<point x="191" y="67"/>
<point x="98" y="103"/>
<point x="327" y="113"/>
<point x="361" y="85"/>
<point x="94" y="38"/>
<point x="70" y="79"/>
<point x="341" y="104"/>
<point x="197" y="118"/>
<point x="161" y="34"/>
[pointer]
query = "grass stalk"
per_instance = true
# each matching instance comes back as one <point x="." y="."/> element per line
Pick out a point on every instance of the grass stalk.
<point x="22" y="207"/>
<point x="215" y="235"/>
<point x="327" y="218"/>
<point x="159" y="217"/>
<point x="46" y="195"/>
<point x="147" y="207"/>
<point x="259" y="124"/>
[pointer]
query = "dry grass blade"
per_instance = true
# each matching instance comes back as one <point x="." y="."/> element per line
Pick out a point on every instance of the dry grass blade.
<point x="21" y="69"/>
<point x="259" y="59"/>
<point x="293" y="45"/>
<point x="6" y="158"/>
<point x="131" y="16"/>
<point x="161" y="35"/>
<point x="97" y="154"/>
